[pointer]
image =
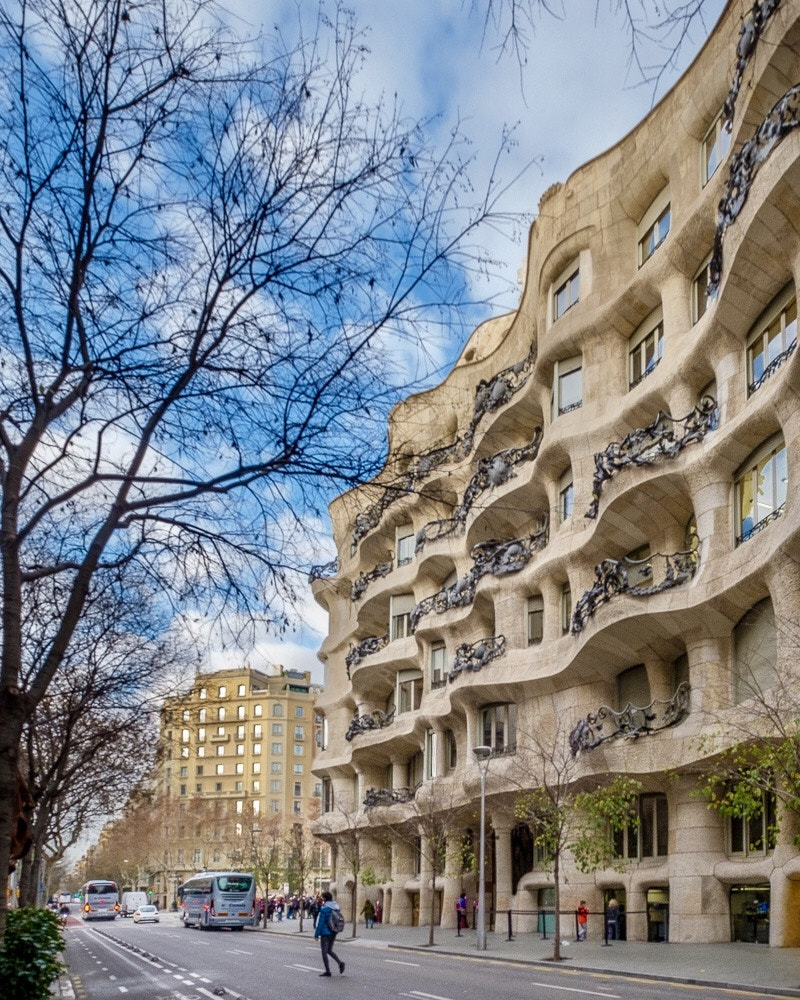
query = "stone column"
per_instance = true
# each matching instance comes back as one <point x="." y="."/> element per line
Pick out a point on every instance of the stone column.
<point x="402" y="872"/>
<point x="699" y="909"/>
<point x="502" y="879"/>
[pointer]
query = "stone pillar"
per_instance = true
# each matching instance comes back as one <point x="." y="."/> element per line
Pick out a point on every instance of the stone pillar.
<point x="699" y="909"/>
<point x="402" y="872"/>
<point x="710" y="675"/>
<point x="399" y="773"/>
<point x="502" y="877"/>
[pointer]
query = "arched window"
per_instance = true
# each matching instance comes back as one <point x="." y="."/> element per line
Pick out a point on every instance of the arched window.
<point x="755" y="652"/>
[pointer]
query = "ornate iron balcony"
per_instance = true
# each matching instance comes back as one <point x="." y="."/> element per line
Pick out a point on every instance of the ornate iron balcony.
<point x="324" y="572"/>
<point x="664" y="438"/>
<point x="489" y="396"/>
<point x="760" y="525"/>
<point x="372" y="644"/>
<point x="474" y="656"/>
<point x="630" y="722"/>
<point x="771" y="368"/>
<point x="388" y="796"/>
<point x="613" y="577"/>
<point x="363" y="580"/>
<point x="366" y="723"/>
<point x="496" y="558"/>
<point x="493" y="471"/>
<point x="781" y="120"/>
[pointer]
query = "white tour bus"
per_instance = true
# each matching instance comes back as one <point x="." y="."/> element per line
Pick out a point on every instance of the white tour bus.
<point x="99" y="900"/>
<point x="218" y="899"/>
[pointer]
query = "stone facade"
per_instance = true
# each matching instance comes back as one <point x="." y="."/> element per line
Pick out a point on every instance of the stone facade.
<point x="569" y="521"/>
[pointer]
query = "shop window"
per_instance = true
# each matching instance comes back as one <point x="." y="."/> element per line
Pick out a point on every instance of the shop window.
<point x="761" y="487"/>
<point x="772" y="340"/>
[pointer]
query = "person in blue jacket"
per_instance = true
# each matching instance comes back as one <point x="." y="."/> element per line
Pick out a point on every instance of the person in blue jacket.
<point x="326" y="934"/>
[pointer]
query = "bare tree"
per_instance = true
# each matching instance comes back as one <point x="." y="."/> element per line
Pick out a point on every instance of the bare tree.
<point x="568" y="813"/>
<point x="204" y="253"/>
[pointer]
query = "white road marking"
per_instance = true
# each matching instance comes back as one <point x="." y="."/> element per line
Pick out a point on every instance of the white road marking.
<point x="393" y="961"/>
<point x="572" y="989"/>
<point x="122" y="989"/>
<point x="428" y="996"/>
<point x="306" y="968"/>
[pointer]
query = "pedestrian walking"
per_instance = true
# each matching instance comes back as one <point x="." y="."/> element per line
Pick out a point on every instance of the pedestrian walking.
<point x="368" y="910"/>
<point x="330" y="917"/>
<point x="612" y="919"/>
<point x="583" y="918"/>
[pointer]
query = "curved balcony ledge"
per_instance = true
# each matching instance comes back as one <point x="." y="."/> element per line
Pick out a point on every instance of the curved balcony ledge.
<point x="613" y="578"/>
<point x="663" y="439"/>
<point x="630" y="722"/>
<point x="474" y="656"/>
<point x="490" y="395"/>
<point x="368" y="723"/>
<point x="367" y="647"/>
<point x="323" y="572"/>
<point x="495" y="558"/>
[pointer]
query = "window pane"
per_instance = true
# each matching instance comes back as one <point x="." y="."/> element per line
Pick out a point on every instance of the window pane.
<point x="570" y="389"/>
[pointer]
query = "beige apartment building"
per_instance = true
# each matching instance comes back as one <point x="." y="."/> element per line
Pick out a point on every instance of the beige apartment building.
<point x="588" y="529"/>
<point x="237" y="756"/>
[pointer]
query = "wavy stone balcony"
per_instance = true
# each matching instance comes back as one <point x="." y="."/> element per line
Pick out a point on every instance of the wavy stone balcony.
<point x="613" y="578"/>
<point x="492" y="472"/>
<point x="368" y="723"/>
<point x="477" y="655"/>
<point x="664" y="438"/>
<point x="489" y="396"/>
<point x="372" y="644"/>
<point x="490" y="558"/>
<point x="630" y="722"/>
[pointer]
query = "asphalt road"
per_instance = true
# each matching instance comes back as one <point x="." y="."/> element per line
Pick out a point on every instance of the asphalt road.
<point x="166" y="961"/>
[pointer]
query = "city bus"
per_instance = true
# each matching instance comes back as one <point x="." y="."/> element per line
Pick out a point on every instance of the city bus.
<point x="99" y="900"/>
<point x="218" y="899"/>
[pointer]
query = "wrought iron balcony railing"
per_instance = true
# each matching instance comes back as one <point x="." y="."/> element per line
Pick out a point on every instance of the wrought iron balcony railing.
<point x="324" y="572"/>
<point x="664" y="438"/>
<point x="388" y="796"/>
<point x="367" y="723"/>
<point x="363" y="580"/>
<point x="771" y="368"/>
<point x="630" y="722"/>
<point x="629" y="576"/>
<point x="474" y="656"/>
<point x="489" y="558"/>
<point x="489" y="396"/>
<point x="372" y="644"/>
<point x="493" y="471"/>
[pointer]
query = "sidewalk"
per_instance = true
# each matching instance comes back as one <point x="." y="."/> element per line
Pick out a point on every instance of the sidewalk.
<point x="768" y="971"/>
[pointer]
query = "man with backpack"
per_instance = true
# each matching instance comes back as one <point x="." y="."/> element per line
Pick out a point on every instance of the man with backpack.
<point x="330" y="922"/>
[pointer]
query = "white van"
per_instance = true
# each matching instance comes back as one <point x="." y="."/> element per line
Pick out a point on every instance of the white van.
<point x="130" y="900"/>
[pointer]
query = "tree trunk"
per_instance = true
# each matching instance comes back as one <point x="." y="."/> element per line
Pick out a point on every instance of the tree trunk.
<point x="433" y="910"/>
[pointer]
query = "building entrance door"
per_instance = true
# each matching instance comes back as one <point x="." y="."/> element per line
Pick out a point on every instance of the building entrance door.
<point x="750" y="913"/>
<point x="658" y="914"/>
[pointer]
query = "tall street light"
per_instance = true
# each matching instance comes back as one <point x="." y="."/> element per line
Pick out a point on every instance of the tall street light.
<point x="482" y="755"/>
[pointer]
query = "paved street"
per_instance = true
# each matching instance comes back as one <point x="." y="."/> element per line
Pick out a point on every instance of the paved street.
<point x="169" y="962"/>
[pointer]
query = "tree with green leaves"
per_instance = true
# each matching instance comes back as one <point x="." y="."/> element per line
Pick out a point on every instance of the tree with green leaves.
<point x="568" y="813"/>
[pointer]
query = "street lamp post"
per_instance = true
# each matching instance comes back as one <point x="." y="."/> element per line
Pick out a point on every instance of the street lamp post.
<point x="482" y="755"/>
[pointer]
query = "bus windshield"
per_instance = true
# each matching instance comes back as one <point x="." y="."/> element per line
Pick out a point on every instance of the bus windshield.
<point x="235" y="883"/>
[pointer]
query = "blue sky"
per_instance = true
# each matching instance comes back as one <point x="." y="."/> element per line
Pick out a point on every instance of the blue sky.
<point x="576" y="95"/>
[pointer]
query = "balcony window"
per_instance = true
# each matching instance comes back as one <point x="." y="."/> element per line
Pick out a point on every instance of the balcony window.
<point x="568" y="386"/>
<point x="431" y="754"/>
<point x="771" y="342"/>
<point x="566" y="497"/>
<point x="201" y="734"/>
<point x="277" y="710"/>
<point x="409" y="691"/>
<point x="715" y="146"/>
<point x="405" y="543"/>
<point x="299" y="733"/>
<point x="202" y="694"/>
<point x="240" y="712"/>
<point x="401" y="607"/>
<point x="277" y="729"/>
<point x="701" y="300"/>
<point x="499" y="727"/>
<point x="761" y="490"/>
<point x="327" y="795"/>
<point x="258" y="711"/>
<point x="256" y="767"/>
<point x="450" y="750"/>
<point x="535" y="620"/>
<point x="654" y="227"/>
<point x="202" y="715"/>
<point x="645" y="353"/>
<point x="438" y="664"/>
<point x="566" y="609"/>
<point x="755" y="834"/>
<point x="221" y="714"/>
<point x="240" y="732"/>
<point x="567" y="294"/>
<point x="256" y="748"/>
<point x="633" y="687"/>
<point x="755" y="653"/>
<point x="650" y="837"/>
<point x="257" y="732"/>
<point x="241" y="691"/>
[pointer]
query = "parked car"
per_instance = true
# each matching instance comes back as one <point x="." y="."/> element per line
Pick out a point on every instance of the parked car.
<point x="146" y="914"/>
